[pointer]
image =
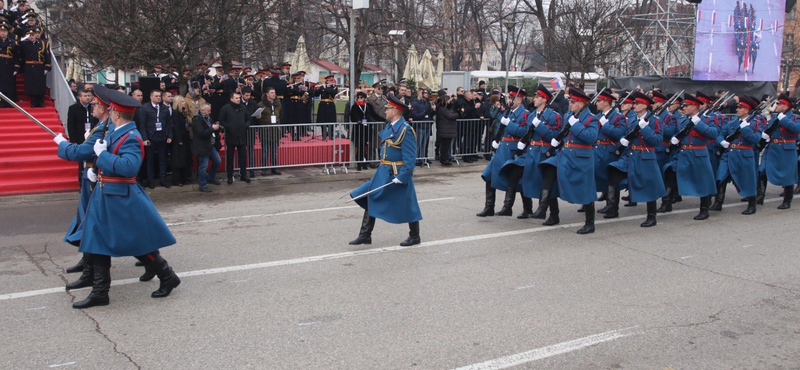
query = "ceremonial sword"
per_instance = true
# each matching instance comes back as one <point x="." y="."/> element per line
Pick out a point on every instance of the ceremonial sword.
<point x="370" y="192"/>
<point x="9" y="101"/>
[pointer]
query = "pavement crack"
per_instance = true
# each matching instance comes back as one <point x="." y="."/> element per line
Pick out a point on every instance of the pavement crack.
<point x="34" y="261"/>
<point x="770" y="285"/>
<point x="99" y="330"/>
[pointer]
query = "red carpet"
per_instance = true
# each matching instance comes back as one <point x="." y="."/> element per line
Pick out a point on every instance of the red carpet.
<point x="28" y="160"/>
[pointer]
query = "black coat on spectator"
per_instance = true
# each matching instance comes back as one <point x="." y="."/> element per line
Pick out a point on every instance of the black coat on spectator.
<point x="180" y="139"/>
<point x="146" y="124"/>
<point x="203" y="140"/>
<point x="560" y="104"/>
<point x="446" y="122"/>
<point x="235" y="120"/>
<point x="77" y="116"/>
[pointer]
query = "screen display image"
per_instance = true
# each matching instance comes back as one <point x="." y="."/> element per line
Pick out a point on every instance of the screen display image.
<point x="739" y="40"/>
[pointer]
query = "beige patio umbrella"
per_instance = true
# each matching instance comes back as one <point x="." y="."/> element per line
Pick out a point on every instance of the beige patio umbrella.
<point x="300" y="60"/>
<point x="426" y="71"/>
<point x="412" y="65"/>
<point x="439" y="70"/>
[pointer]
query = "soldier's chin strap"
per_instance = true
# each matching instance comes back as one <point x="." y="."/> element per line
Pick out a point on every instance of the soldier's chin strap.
<point x="11" y="102"/>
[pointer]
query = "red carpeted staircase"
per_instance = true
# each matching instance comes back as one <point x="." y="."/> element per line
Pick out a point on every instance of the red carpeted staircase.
<point x="28" y="160"/>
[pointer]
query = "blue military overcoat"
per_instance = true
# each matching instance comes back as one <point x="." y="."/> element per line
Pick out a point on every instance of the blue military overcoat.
<point x="576" y="164"/>
<point x="716" y="120"/>
<point x="121" y="220"/>
<point x="692" y="166"/>
<point x="668" y="122"/>
<point x="508" y="146"/>
<point x="738" y="163"/>
<point x="608" y="137"/>
<point x="645" y="183"/>
<point x="779" y="158"/>
<point x="396" y="203"/>
<point x="83" y="152"/>
<point x="550" y="125"/>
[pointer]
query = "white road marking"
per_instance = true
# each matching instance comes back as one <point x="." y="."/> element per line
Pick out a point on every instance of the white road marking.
<point x="36" y="308"/>
<point x="550" y="351"/>
<point x="525" y="287"/>
<point x="64" y="364"/>
<point x="327" y="257"/>
<point x="685" y="257"/>
<point x="775" y="48"/>
<point x="747" y="246"/>
<point x="309" y="323"/>
<point x="284" y="213"/>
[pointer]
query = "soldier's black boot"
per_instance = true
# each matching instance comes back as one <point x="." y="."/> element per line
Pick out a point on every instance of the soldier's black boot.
<point x="544" y="202"/>
<point x="719" y="199"/>
<point x="365" y="234"/>
<point x="148" y="274"/>
<point x="87" y="277"/>
<point x="527" y="208"/>
<point x="508" y="202"/>
<point x="651" y="215"/>
<point x="761" y="190"/>
<point x="751" y="206"/>
<point x="607" y="198"/>
<point x="787" y="197"/>
<point x="602" y="197"/>
<point x="491" y="194"/>
<point x="413" y="235"/>
<point x="167" y="279"/>
<point x="666" y="202"/>
<point x="588" y="227"/>
<point x="613" y="203"/>
<point x="139" y="264"/>
<point x="101" y="282"/>
<point x="553" y="219"/>
<point x="704" y="204"/>
<point x="77" y="268"/>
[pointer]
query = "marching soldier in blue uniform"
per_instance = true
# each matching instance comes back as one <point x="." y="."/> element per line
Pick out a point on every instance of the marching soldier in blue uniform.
<point x="84" y="152"/>
<point x="120" y="218"/>
<point x="613" y="127"/>
<point x="716" y="120"/>
<point x="572" y="168"/>
<point x="544" y="123"/>
<point x="690" y="169"/>
<point x="779" y="158"/>
<point x="737" y="162"/>
<point x="514" y="129"/>
<point x="397" y="202"/>
<point x="669" y="126"/>
<point x="626" y="110"/>
<point x="638" y="164"/>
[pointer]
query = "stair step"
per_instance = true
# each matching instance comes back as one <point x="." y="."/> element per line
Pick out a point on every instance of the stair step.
<point x="39" y="186"/>
<point x="63" y="170"/>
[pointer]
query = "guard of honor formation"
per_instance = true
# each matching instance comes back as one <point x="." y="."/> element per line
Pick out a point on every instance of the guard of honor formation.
<point x="660" y="147"/>
<point x="24" y="48"/>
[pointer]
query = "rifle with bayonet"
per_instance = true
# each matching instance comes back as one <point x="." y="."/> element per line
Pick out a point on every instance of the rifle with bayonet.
<point x="769" y="130"/>
<point x="501" y="131"/>
<point x="689" y="126"/>
<point x="636" y="128"/>
<point x="735" y="134"/>
<point x="529" y="132"/>
<point x="564" y="130"/>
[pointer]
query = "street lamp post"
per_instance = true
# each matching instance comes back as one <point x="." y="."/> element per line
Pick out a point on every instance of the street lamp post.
<point x="357" y="4"/>
<point x="509" y="26"/>
<point x="396" y="43"/>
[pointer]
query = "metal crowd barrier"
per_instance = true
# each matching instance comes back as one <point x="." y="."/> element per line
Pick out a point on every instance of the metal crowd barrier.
<point x="345" y="145"/>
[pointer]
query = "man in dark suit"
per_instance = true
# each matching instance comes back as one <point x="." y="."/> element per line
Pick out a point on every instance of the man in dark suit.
<point x="80" y="121"/>
<point x="155" y="126"/>
<point x="251" y="105"/>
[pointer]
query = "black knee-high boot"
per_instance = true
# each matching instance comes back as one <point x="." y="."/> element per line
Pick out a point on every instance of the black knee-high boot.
<point x="613" y="202"/>
<point x="167" y="278"/>
<point x="101" y="283"/>
<point x="588" y="226"/>
<point x="553" y="219"/>
<point x="705" y="202"/>
<point x="788" y="192"/>
<point x="751" y="206"/>
<point x="651" y="215"/>
<point x="78" y="267"/>
<point x="527" y="207"/>
<point x="488" y="208"/>
<point x="719" y="199"/>
<point x="413" y="235"/>
<point x="761" y="190"/>
<point x="511" y="191"/>
<point x="87" y="277"/>
<point x="548" y="178"/>
<point x="365" y="233"/>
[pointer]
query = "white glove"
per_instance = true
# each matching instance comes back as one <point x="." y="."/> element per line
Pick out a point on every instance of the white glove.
<point x="45" y="71"/>
<point x="396" y="181"/>
<point x="86" y="134"/>
<point x="765" y="136"/>
<point x="520" y="145"/>
<point x="573" y="121"/>
<point x="643" y="123"/>
<point x="624" y="142"/>
<point x="674" y="141"/>
<point x="744" y="124"/>
<point x="554" y="143"/>
<point x="696" y="119"/>
<point x="781" y="115"/>
<point x="59" y="139"/>
<point x="724" y="144"/>
<point x="505" y="121"/>
<point x="603" y="120"/>
<point x="536" y="122"/>
<point x="495" y="144"/>
<point x="91" y="175"/>
<point x="100" y="146"/>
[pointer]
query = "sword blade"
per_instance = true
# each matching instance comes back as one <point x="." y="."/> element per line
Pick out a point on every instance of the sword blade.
<point x="9" y="101"/>
<point x="369" y="192"/>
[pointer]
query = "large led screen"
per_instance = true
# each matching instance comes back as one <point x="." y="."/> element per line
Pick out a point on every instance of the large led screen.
<point x="739" y="40"/>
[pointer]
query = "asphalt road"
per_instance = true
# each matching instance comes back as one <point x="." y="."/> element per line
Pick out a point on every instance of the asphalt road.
<point x="269" y="282"/>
